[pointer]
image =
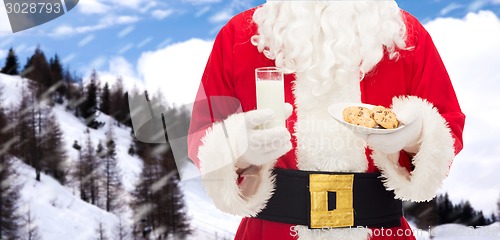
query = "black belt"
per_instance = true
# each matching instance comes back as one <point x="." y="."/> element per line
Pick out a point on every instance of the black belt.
<point x="332" y="200"/>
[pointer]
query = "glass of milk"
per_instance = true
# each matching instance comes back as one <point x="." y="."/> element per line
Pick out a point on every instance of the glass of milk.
<point x="271" y="93"/>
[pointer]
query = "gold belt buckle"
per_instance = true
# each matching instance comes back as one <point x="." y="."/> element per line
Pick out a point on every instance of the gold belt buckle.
<point x="343" y="214"/>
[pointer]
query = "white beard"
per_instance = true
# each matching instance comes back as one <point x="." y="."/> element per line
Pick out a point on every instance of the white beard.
<point x="325" y="41"/>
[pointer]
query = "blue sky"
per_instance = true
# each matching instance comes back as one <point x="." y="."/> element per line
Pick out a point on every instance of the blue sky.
<point x="97" y="30"/>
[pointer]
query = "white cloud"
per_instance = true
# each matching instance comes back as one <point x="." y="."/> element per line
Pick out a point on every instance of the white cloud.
<point x="6" y="41"/>
<point x="144" y="42"/>
<point x="200" y="2"/>
<point x="86" y="40"/>
<point x="202" y="11"/>
<point x="147" y="6"/>
<point x="451" y="7"/>
<point x="470" y="48"/>
<point x="109" y="21"/>
<point x="119" y="67"/>
<point x="98" y="62"/>
<point x="105" y="6"/>
<point x="165" y="43"/>
<point x="122" y="20"/>
<point x="221" y="16"/>
<point x="68" y="58"/>
<point x="125" y="48"/>
<point x="476" y="5"/>
<point x="93" y="7"/>
<point x="175" y="70"/>
<point x="135" y="4"/>
<point x="3" y="54"/>
<point x="228" y="11"/>
<point x="126" y="31"/>
<point x="63" y="30"/>
<point x="162" y="14"/>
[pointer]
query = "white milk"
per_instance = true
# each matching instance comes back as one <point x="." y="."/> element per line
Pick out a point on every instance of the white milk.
<point x="271" y="95"/>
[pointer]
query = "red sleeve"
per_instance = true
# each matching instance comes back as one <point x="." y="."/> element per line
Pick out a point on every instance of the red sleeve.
<point x="431" y="81"/>
<point x="215" y="99"/>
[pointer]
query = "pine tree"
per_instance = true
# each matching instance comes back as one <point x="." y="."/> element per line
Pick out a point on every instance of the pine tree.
<point x="468" y="213"/>
<point x="445" y="209"/>
<point x="88" y="172"/>
<point x="119" y="102"/>
<point x="144" y="205"/>
<point x="28" y="67"/>
<point x="53" y="148"/>
<point x="158" y="198"/>
<point x="23" y="127"/>
<point x="80" y="173"/>
<point x="120" y="231"/>
<point x="176" y="218"/>
<point x="31" y="230"/>
<point x="176" y="214"/>
<point x="9" y="219"/>
<point x="9" y="197"/>
<point x="56" y="73"/>
<point x="112" y="178"/>
<point x="76" y="98"/>
<point x="479" y="219"/>
<point x="30" y="124"/>
<point x="73" y="90"/>
<point x="94" y="175"/>
<point x="117" y="91"/>
<point x="105" y="99"/>
<point x="159" y="184"/>
<point x="101" y="232"/>
<point x="11" y="66"/>
<point x="40" y="74"/>
<point x="89" y="105"/>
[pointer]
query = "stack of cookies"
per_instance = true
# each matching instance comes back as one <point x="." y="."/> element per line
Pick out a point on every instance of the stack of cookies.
<point x="378" y="117"/>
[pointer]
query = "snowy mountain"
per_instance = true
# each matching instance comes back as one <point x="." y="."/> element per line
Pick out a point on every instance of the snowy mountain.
<point x="58" y="211"/>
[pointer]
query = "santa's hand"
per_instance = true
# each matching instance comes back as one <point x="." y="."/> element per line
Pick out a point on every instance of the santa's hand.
<point x="263" y="145"/>
<point x="408" y="138"/>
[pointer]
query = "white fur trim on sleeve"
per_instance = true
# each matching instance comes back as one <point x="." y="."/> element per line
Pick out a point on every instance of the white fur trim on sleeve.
<point x="431" y="162"/>
<point x="218" y="171"/>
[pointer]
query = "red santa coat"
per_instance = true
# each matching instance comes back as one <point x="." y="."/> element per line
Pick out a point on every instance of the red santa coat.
<point x="419" y="72"/>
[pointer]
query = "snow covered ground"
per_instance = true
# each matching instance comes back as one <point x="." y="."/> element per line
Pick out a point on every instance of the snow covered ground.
<point x="460" y="232"/>
<point x="57" y="211"/>
<point x="208" y="221"/>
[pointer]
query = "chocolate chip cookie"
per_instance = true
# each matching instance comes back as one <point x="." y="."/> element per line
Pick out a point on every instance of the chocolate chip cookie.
<point x="360" y="116"/>
<point x="385" y="117"/>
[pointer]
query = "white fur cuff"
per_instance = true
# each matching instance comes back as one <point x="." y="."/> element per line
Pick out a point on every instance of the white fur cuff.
<point x="431" y="162"/>
<point x="218" y="157"/>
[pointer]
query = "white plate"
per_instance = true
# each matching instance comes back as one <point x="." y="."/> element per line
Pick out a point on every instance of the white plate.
<point x="336" y="110"/>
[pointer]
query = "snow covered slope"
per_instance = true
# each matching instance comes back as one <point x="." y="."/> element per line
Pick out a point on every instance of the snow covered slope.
<point x="56" y="211"/>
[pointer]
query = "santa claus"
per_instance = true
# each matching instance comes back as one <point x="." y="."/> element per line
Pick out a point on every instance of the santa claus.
<point x="315" y="178"/>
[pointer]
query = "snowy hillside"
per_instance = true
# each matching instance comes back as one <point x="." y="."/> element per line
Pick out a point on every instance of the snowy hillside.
<point x="60" y="212"/>
<point x="56" y="211"/>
